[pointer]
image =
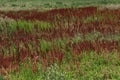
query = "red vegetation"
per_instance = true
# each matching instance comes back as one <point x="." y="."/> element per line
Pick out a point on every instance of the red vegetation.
<point x="110" y="25"/>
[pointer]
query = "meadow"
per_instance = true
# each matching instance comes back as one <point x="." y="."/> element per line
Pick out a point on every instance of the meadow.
<point x="44" y="5"/>
<point x="62" y="43"/>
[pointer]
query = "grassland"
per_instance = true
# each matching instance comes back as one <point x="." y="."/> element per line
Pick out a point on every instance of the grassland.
<point x="59" y="40"/>
<point x="53" y="4"/>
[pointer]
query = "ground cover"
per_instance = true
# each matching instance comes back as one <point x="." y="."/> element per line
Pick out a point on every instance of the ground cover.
<point x="61" y="44"/>
<point x="43" y="5"/>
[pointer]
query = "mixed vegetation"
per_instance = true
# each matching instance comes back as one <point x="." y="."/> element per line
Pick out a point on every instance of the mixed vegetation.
<point x="43" y="5"/>
<point x="60" y="44"/>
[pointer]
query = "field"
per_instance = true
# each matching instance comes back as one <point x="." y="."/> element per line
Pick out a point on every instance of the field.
<point x="53" y="4"/>
<point x="59" y="42"/>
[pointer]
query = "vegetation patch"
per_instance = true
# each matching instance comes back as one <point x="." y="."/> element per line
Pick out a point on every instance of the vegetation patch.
<point x="60" y="44"/>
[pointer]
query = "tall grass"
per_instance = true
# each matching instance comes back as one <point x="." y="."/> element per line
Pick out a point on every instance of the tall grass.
<point x="90" y="66"/>
<point x="64" y="49"/>
<point x="9" y="25"/>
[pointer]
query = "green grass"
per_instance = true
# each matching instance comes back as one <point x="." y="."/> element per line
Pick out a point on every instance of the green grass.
<point x="50" y="4"/>
<point x="90" y="66"/>
<point x="8" y="25"/>
<point x="2" y="77"/>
